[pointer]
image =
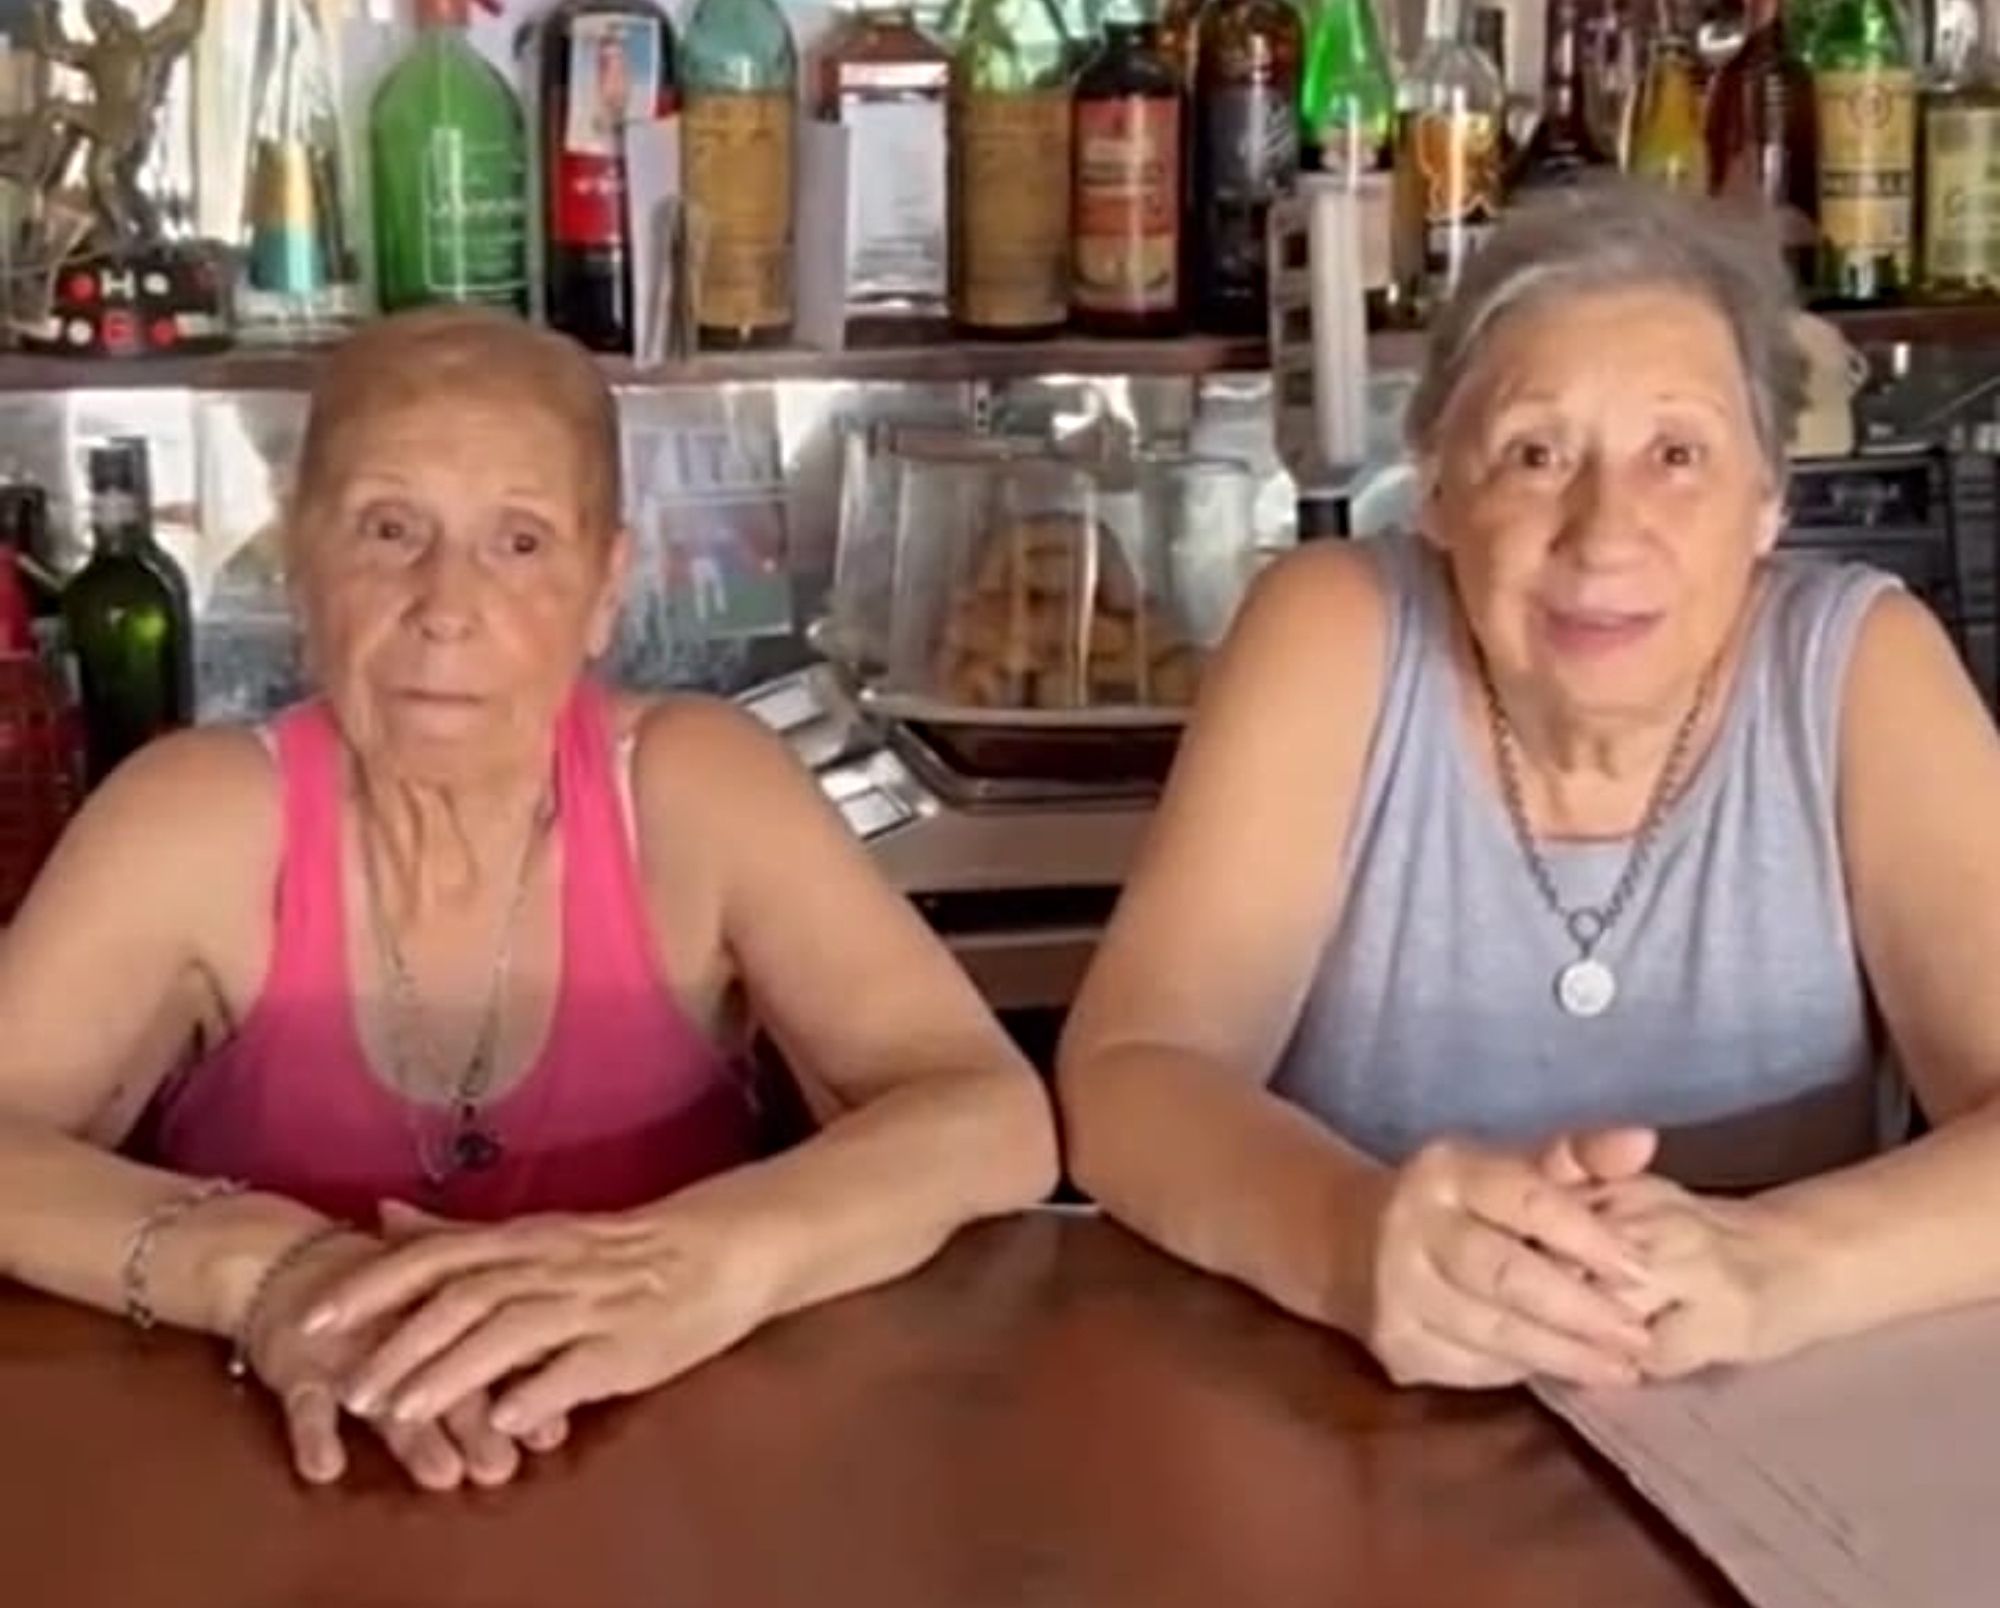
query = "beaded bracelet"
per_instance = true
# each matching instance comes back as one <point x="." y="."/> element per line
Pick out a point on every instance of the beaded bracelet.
<point x="132" y="1273"/>
<point x="239" y="1343"/>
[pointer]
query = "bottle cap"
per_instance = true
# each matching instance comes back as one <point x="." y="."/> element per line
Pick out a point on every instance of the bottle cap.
<point x="443" y="13"/>
<point x="118" y="465"/>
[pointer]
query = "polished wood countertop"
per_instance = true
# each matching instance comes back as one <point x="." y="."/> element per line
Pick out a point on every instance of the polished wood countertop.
<point x="1051" y="1414"/>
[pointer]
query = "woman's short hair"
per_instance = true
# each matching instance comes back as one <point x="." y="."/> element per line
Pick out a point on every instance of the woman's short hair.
<point x="446" y="356"/>
<point x="1623" y="235"/>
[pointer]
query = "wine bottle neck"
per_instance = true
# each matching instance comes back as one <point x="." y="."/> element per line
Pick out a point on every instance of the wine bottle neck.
<point x="1563" y="63"/>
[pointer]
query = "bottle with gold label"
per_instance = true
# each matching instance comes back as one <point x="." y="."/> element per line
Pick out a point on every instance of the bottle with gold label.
<point x="739" y="93"/>
<point x="1666" y="145"/>
<point x="1447" y="157"/>
<point x="1961" y="169"/>
<point x="1010" y="161"/>
<point x="1128" y="123"/>
<point x="1865" y="94"/>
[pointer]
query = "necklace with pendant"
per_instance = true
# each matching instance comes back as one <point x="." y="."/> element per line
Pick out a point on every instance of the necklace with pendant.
<point x="470" y="1145"/>
<point x="1588" y="986"/>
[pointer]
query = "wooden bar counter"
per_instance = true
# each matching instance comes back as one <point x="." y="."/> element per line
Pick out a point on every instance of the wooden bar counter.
<point x="1050" y="1415"/>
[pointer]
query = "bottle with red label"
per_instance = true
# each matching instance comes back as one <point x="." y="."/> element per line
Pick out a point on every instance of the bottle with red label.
<point x="1128" y="139"/>
<point x="604" y="64"/>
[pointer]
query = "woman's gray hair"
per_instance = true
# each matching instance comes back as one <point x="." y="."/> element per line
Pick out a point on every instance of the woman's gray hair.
<point x="1615" y="236"/>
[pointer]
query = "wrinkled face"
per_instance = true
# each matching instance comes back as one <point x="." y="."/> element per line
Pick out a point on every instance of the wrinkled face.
<point x="450" y="593"/>
<point x="1600" y="492"/>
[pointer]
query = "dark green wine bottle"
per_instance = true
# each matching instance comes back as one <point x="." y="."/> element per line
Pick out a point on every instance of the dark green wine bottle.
<point x="127" y="615"/>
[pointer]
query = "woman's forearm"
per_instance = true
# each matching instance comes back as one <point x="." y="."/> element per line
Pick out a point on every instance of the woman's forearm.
<point x="1222" y="1173"/>
<point x="68" y="1211"/>
<point x="1912" y="1231"/>
<point x="877" y="1192"/>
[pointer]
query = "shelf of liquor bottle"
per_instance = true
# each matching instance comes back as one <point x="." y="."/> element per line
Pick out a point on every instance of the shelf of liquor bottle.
<point x="250" y="369"/>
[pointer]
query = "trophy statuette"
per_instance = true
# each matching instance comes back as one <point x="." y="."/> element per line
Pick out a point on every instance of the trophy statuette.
<point x="111" y="284"/>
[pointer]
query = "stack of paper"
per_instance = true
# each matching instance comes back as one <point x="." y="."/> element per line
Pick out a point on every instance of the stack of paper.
<point x="1864" y="1474"/>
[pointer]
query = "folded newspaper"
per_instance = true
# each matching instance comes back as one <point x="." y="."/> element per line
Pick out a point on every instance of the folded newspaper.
<point x="1862" y="1474"/>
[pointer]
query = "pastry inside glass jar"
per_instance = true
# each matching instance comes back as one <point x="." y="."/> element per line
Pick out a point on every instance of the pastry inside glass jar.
<point x="1053" y="617"/>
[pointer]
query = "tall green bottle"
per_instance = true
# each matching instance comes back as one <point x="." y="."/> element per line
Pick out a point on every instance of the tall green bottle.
<point x="1865" y="91"/>
<point x="126" y="612"/>
<point x="449" y="155"/>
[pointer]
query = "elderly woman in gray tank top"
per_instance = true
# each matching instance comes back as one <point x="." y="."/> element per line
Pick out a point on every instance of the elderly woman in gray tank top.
<point x="1538" y="896"/>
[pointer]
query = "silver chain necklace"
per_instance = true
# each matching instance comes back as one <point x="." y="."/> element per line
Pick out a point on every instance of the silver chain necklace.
<point x="471" y="1144"/>
<point x="1587" y="986"/>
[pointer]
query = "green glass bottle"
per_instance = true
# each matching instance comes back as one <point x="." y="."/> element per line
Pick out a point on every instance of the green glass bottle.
<point x="449" y="155"/>
<point x="739" y="99"/>
<point x="1865" y="92"/>
<point x="126" y="613"/>
<point x="1347" y="113"/>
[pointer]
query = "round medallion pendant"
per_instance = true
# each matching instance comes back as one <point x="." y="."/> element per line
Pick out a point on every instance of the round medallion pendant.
<point x="1586" y="987"/>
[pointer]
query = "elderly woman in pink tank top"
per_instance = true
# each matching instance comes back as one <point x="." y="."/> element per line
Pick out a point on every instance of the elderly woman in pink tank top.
<point x="402" y="1042"/>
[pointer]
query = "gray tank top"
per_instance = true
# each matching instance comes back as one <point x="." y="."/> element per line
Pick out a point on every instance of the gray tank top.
<point x="1742" y="1027"/>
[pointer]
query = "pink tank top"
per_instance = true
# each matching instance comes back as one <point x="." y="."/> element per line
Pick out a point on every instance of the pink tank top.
<point x="626" y="1102"/>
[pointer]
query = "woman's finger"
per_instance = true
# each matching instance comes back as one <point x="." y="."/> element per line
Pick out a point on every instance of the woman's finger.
<point x="406" y="1274"/>
<point x="423" y="1449"/>
<point x="1509" y="1194"/>
<point x="430" y="1331"/>
<point x="515" y="1337"/>
<point x="490" y="1457"/>
<point x="1598" y="1155"/>
<point x="547" y="1435"/>
<point x="1437" y="1359"/>
<point x="1519" y="1340"/>
<point x="577" y="1375"/>
<point x="1503" y="1271"/>
<point x="312" y="1424"/>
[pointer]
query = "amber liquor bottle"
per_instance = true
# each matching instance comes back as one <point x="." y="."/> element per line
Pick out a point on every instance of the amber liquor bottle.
<point x="1128" y="123"/>
<point x="1246" y="154"/>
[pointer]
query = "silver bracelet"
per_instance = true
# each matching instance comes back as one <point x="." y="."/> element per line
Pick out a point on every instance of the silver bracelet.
<point x="134" y="1271"/>
<point x="239" y="1342"/>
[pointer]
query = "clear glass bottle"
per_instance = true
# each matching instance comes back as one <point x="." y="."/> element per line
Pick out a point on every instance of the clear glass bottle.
<point x="1447" y="156"/>
<point x="1010" y="170"/>
<point x="449" y="162"/>
<point x="1246" y="154"/>
<point x="1127" y="189"/>
<point x="301" y="279"/>
<point x="1347" y="115"/>
<point x="739" y="99"/>
<point x="1666" y="145"/>
<point x="889" y="82"/>
<point x="1864" y="89"/>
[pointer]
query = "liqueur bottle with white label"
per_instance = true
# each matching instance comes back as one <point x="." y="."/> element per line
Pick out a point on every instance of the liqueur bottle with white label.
<point x="888" y="82"/>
